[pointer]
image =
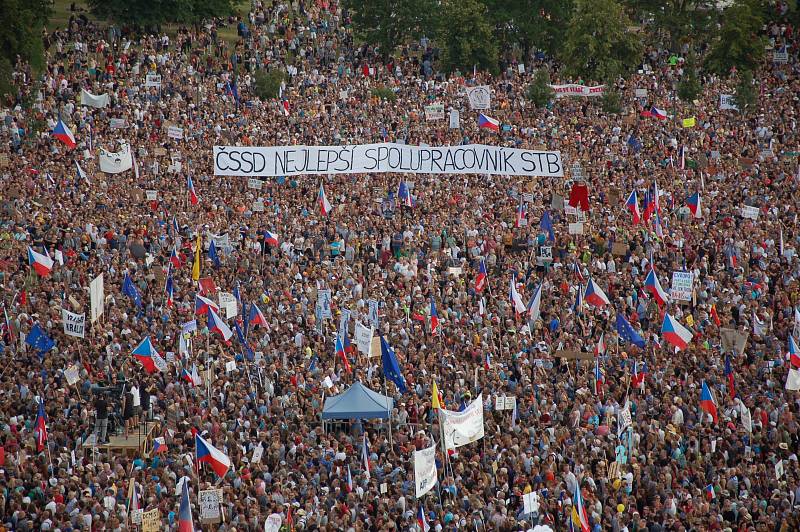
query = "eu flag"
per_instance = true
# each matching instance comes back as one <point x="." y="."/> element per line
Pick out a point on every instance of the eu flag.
<point x="627" y="333"/>
<point x="129" y="289"/>
<point x="391" y="369"/>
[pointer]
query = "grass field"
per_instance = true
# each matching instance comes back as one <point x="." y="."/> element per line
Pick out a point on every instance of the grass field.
<point x="61" y="13"/>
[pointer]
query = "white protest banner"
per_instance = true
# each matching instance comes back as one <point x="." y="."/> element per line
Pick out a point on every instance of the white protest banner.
<point x="682" y="286"/>
<point x="624" y="419"/>
<point x="153" y="80"/>
<point x="573" y="89"/>
<point x="505" y="402"/>
<point x="324" y="302"/>
<point x="72" y="375"/>
<point x="254" y="183"/>
<point x="117" y="123"/>
<point x="372" y="317"/>
<point x="151" y="195"/>
<point x="258" y="452"/>
<point x="530" y="503"/>
<point x="749" y="212"/>
<point x="465" y="427"/>
<point x="425" y="470"/>
<point x="273" y="523"/>
<point x="480" y="97"/>
<point x="747" y="419"/>
<point x="175" y="132"/>
<point x="97" y="101"/>
<point x="455" y="119"/>
<point x="434" y="112"/>
<point x="781" y="55"/>
<point x="274" y="161"/>
<point x="521" y="68"/>
<point x="116" y="162"/>
<point x="96" y="297"/>
<point x="363" y="336"/>
<point x="151" y="521"/>
<point x="209" y="501"/>
<point x="575" y="228"/>
<point x="74" y="324"/>
<point x="228" y="302"/>
<point x="727" y="101"/>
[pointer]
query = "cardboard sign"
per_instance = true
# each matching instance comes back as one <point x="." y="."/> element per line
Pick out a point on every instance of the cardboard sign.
<point x="619" y="249"/>
<point x="151" y="521"/>
<point x="74" y="324"/>
<point x="682" y="286"/>
<point x="209" y="502"/>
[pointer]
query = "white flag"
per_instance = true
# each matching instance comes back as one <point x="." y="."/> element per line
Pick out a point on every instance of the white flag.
<point x="425" y="476"/>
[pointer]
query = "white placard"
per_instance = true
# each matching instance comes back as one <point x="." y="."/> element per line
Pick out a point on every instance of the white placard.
<point x="640" y="93"/>
<point x="480" y="97"/>
<point x="229" y="303"/>
<point x="576" y="228"/>
<point x="425" y="470"/>
<point x="624" y="419"/>
<point x="153" y="80"/>
<point x="96" y="298"/>
<point x="372" y="317"/>
<point x="151" y="195"/>
<point x="530" y="503"/>
<point x="520" y="68"/>
<point x="175" y="132"/>
<point x="749" y="212"/>
<point x="209" y="501"/>
<point x="363" y="337"/>
<point x="74" y="324"/>
<point x="255" y="183"/>
<point x="117" y="123"/>
<point x="779" y="471"/>
<point x="505" y="402"/>
<point x="230" y="366"/>
<point x="727" y="101"/>
<point x="455" y="119"/>
<point x="72" y="375"/>
<point x="273" y="523"/>
<point x="258" y="452"/>
<point x="434" y="112"/>
<point x="115" y="162"/>
<point x="545" y="255"/>
<point x="781" y="55"/>
<point x="136" y="516"/>
<point x="324" y="302"/>
<point x="465" y="427"/>
<point x="682" y="286"/>
<point x="573" y="89"/>
<point x="274" y="161"/>
<point x="258" y="206"/>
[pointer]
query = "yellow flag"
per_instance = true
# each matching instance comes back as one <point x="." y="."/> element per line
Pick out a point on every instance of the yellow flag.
<point x="689" y="122"/>
<point x="435" y="400"/>
<point x="196" y="264"/>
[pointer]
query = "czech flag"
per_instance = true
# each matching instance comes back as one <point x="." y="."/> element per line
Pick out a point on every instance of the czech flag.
<point x="207" y="453"/>
<point x="534" y="305"/>
<point x="215" y="324"/>
<point x="598" y="378"/>
<point x="522" y="213"/>
<point x="80" y="174"/>
<point x="41" y="427"/>
<point x="271" y="238"/>
<point x="192" y="193"/>
<point x="202" y="305"/>
<point x="185" y="522"/>
<point x="639" y="374"/>
<point x="421" y="521"/>
<point x="146" y="353"/>
<point x="175" y="259"/>
<point x="488" y="122"/>
<point x="655" y="112"/>
<point x="649" y="206"/>
<point x="632" y="205"/>
<point x="434" y="318"/>
<point x="675" y="333"/>
<point x="487" y="363"/>
<point x="578" y="304"/>
<point x="256" y="317"/>
<point x="709" y="491"/>
<point x="365" y="456"/>
<point x="693" y="202"/>
<point x="62" y="133"/>
<point x="794" y="356"/>
<point x="481" y="278"/>
<point x="325" y="206"/>
<point x="192" y="378"/>
<point x="652" y="285"/>
<point x="42" y="264"/>
<point x="594" y="295"/>
<point x="516" y="299"/>
<point x="600" y="348"/>
<point x="340" y="352"/>
<point x="729" y="376"/>
<point x="707" y="402"/>
<point x="159" y="445"/>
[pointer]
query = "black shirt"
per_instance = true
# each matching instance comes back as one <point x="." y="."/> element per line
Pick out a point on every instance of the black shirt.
<point x="101" y="406"/>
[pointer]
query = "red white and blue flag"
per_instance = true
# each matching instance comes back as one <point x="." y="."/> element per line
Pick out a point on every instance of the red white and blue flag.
<point x="707" y="402"/>
<point x="709" y="491"/>
<point x="488" y="122"/>
<point x="159" y="445"/>
<point x="42" y="264"/>
<point x="215" y="324"/>
<point x="193" y="198"/>
<point x="185" y="521"/>
<point x="62" y="132"/>
<point x="341" y="353"/>
<point x="192" y="377"/>
<point x="674" y="333"/>
<point x="421" y="521"/>
<point x="653" y="286"/>
<point x="639" y="374"/>
<point x="202" y="305"/>
<point x="434" y="318"/>
<point x="146" y="353"/>
<point x="594" y="295"/>
<point x="482" y="277"/>
<point x="729" y="376"/>
<point x="207" y="453"/>
<point x="175" y="259"/>
<point x="693" y="202"/>
<point x="365" y="457"/>
<point x="632" y="204"/>
<point x="794" y="355"/>
<point x="256" y="317"/>
<point x="325" y="206"/>
<point x="271" y="238"/>
<point x="41" y="427"/>
<point x="534" y="305"/>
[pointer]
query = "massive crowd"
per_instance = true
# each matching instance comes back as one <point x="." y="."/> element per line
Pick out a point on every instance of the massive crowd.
<point x="676" y="468"/>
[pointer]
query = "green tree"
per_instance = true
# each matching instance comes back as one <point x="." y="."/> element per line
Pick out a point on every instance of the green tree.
<point x="738" y="43"/>
<point x="611" y="101"/>
<point x="539" y="91"/>
<point x="746" y="96"/>
<point x="267" y="83"/>
<point x="675" y="21"/>
<point x="530" y="23"/>
<point x="689" y="87"/>
<point x="465" y="36"/>
<point x="154" y="13"/>
<point x="599" y="44"/>
<point x="21" y="36"/>
<point x="391" y="23"/>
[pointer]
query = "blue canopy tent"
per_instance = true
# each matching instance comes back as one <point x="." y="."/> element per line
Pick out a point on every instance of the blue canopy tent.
<point x="357" y="402"/>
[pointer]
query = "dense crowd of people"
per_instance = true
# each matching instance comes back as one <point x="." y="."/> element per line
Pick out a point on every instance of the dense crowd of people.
<point x="676" y="467"/>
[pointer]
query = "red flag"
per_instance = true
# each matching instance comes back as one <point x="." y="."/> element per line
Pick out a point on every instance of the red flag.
<point x="715" y="316"/>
